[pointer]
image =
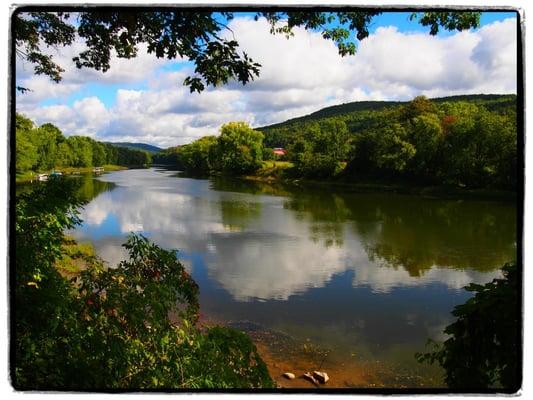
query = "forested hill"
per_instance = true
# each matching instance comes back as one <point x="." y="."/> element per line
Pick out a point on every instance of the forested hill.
<point x="349" y="111"/>
<point x="136" y="146"/>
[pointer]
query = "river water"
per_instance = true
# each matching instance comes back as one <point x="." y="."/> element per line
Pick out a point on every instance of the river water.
<point x="367" y="277"/>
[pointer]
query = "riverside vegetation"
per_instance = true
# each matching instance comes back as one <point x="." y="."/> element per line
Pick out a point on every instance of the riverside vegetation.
<point x="462" y="142"/>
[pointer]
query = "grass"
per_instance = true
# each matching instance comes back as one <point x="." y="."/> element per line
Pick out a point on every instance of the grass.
<point x="75" y="257"/>
<point x="32" y="175"/>
<point x="273" y="170"/>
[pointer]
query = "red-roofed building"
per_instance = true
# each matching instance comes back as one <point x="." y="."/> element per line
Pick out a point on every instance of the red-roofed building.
<point x="279" y="151"/>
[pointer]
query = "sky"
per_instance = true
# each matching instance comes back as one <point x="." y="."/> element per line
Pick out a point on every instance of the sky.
<point x="144" y="100"/>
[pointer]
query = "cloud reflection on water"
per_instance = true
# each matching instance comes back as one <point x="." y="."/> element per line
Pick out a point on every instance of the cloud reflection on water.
<point x="257" y="247"/>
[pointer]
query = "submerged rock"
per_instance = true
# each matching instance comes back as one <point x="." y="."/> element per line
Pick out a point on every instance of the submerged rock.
<point x="289" y="375"/>
<point x="322" y="377"/>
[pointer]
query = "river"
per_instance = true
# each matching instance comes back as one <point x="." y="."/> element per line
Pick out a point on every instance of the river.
<point x="355" y="282"/>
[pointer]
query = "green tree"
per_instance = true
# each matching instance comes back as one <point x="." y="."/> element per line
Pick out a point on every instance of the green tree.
<point x="64" y="155"/>
<point x="333" y="140"/>
<point x="425" y="134"/>
<point x="25" y="151"/>
<point x="393" y="151"/>
<point x="196" y="35"/>
<point x="47" y="138"/>
<point x="194" y="157"/>
<point x="483" y="348"/>
<point x="82" y="151"/>
<point x="418" y="106"/>
<point x="480" y="147"/>
<point x="238" y="150"/>
<point x="99" y="153"/>
<point x="320" y="148"/>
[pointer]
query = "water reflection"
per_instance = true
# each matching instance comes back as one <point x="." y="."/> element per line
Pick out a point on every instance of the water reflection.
<point x="258" y="244"/>
<point x="417" y="234"/>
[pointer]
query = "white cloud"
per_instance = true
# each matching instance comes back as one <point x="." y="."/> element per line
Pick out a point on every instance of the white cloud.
<point x="298" y="76"/>
<point x="121" y="71"/>
<point x="86" y="117"/>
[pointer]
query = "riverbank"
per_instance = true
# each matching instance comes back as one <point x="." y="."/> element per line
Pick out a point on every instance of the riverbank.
<point x="284" y="353"/>
<point x="31" y="176"/>
<point x="276" y="172"/>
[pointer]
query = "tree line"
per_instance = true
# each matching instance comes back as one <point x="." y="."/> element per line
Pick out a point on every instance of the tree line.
<point x="427" y="142"/>
<point x="43" y="148"/>
<point x="457" y="143"/>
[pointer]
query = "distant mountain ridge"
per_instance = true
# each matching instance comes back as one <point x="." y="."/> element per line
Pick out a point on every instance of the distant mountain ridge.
<point x="137" y="146"/>
<point x="487" y="100"/>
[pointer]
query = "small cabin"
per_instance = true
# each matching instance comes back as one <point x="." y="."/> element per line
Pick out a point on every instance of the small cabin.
<point x="279" y="151"/>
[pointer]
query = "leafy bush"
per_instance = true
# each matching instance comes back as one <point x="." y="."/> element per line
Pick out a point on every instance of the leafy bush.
<point x="133" y="326"/>
<point x="484" y="343"/>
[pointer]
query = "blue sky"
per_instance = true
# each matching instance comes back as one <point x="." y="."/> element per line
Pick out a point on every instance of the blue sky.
<point x="143" y="99"/>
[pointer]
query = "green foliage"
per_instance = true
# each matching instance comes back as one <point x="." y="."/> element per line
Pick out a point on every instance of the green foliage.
<point x="82" y="151"/>
<point x="425" y="132"/>
<point x="45" y="148"/>
<point x="195" y="35"/>
<point x="133" y="326"/>
<point x="393" y="151"/>
<point x="268" y="154"/>
<point x="319" y="151"/>
<point x="483" y="148"/>
<point x="25" y="150"/>
<point x="238" y="150"/>
<point x="99" y="156"/>
<point x="427" y="142"/>
<point x="361" y="115"/>
<point x="194" y="157"/>
<point x="38" y="28"/>
<point x="459" y="20"/>
<point x="169" y="156"/>
<point x="483" y="348"/>
<point x="418" y="106"/>
<point x="43" y="307"/>
<point x="444" y="141"/>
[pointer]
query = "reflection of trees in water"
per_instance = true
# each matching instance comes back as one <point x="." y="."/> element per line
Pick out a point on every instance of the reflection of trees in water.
<point x="416" y="234"/>
<point x="412" y="232"/>
<point x="398" y="231"/>
<point x="228" y="184"/>
<point x="87" y="188"/>
<point x="327" y="214"/>
<point x="90" y="187"/>
<point x="332" y="234"/>
<point x="239" y="214"/>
